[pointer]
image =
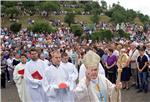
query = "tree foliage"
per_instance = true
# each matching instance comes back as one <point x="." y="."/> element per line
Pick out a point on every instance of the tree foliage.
<point x="8" y="3"/>
<point x="102" y="35"/>
<point x="41" y="27"/>
<point x="12" y="11"/>
<point x="30" y="6"/>
<point x="143" y="18"/>
<point x="95" y="19"/>
<point x="130" y="15"/>
<point x="118" y="14"/>
<point x="92" y="7"/>
<point x="121" y="34"/>
<point x="50" y="6"/>
<point x="15" y="27"/>
<point x="77" y="30"/>
<point x="69" y="18"/>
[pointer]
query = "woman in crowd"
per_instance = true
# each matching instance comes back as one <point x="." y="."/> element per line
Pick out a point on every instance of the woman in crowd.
<point x="111" y="66"/>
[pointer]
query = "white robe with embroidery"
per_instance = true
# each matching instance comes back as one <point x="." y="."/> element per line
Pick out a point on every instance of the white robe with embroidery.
<point x="88" y="94"/>
<point x="20" y="83"/>
<point x="34" y="86"/>
<point x="54" y="76"/>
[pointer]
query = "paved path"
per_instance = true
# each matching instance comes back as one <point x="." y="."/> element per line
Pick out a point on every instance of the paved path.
<point x="10" y="95"/>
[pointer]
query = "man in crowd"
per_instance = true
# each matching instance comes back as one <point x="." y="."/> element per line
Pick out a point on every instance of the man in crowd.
<point x="142" y="65"/>
<point x="34" y="76"/>
<point x="95" y="87"/>
<point x="82" y="71"/>
<point x="70" y="69"/>
<point x="18" y="76"/>
<point x="58" y="86"/>
<point x="133" y="54"/>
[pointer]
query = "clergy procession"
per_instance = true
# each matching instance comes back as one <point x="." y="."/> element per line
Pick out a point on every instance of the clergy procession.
<point x="74" y="51"/>
<point x="38" y="82"/>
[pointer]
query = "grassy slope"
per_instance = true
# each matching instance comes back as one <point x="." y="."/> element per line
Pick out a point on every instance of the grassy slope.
<point x="86" y="18"/>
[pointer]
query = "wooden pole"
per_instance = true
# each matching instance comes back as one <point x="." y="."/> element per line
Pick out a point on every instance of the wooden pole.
<point x="119" y="80"/>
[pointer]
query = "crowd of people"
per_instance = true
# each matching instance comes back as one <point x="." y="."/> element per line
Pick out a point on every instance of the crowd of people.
<point x="46" y="62"/>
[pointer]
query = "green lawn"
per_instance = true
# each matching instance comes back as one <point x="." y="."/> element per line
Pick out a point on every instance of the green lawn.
<point x="85" y="18"/>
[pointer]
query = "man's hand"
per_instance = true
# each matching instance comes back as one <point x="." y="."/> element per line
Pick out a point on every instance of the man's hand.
<point x="140" y="70"/>
<point x="21" y="77"/>
<point x="118" y="85"/>
<point x="88" y="77"/>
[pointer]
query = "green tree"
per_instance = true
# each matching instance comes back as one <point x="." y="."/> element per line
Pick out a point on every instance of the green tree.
<point x="77" y="30"/>
<point x="12" y="11"/>
<point x="50" y="6"/>
<point x="102" y="35"/>
<point x="96" y="36"/>
<point x="130" y="15"/>
<point x="96" y="11"/>
<point x="122" y="34"/>
<point x="95" y="19"/>
<point x="143" y="18"/>
<point x="92" y="7"/>
<point x="30" y="6"/>
<point x="118" y="14"/>
<point x="41" y="27"/>
<point x="69" y="18"/>
<point x="107" y="34"/>
<point x="3" y="9"/>
<point x="9" y="3"/>
<point x="104" y="5"/>
<point x="15" y="27"/>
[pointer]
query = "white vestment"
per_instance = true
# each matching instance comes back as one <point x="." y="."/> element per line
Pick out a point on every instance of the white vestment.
<point x="105" y="93"/>
<point x="20" y="83"/>
<point x="54" y="77"/>
<point x="83" y="70"/>
<point x="72" y="72"/>
<point x="47" y="62"/>
<point x="35" y="87"/>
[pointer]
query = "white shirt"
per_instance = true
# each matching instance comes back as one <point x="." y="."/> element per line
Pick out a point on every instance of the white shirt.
<point x="9" y="63"/>
<point x="20" y="83"/>
<point x="55" y="76"/>
<point x="134" y="54"/>
<point x="71" y="70"/>
<point x="47" y="62"/>
<point x="35" y="86"/>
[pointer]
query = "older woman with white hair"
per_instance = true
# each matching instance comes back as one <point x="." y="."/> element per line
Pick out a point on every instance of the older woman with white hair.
<point x="94" y="87"/>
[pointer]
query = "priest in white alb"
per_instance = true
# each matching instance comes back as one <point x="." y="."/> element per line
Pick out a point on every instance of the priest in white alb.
<point x="58" y="86"/>
<point x="69" y="69"/>
<point x="34" y="77"/>
<point x="95" y="87"/>
<point x="18" y="76"/>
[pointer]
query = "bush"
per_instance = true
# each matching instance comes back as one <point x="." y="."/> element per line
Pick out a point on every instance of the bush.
<point x="95" y="19"/>
<point x="15" y="27"/>
<point x="41" y="27"/>
<point x="69" y="18"/>
<point x="102" y="35"/>
<point x="123" y="34"/>
<point x="96" y="36"/>
<point x="77" y="30"/>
